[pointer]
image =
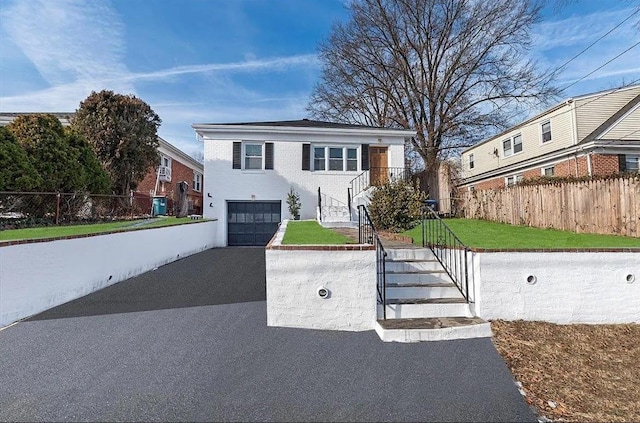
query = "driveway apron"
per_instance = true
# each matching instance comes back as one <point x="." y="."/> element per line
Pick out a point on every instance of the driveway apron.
<point x="189" y="342"/>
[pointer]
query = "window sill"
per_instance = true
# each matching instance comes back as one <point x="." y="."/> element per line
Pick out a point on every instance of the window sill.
<point x="255" y="171"/>
<point x="513" y="155"/>
<point x="335" y="172"/>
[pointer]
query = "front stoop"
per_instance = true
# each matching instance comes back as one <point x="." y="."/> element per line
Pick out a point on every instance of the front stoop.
<point x="432" y="329"/>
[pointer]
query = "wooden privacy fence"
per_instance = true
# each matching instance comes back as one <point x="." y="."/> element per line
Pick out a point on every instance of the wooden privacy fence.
<point x="610" y="206"/>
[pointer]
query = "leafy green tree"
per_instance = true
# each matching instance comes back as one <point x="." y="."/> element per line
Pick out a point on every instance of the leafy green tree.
<point x="122" y="129"/>
<point x="96" y="179"/>
<point x="43" y="139"/>
<point x="396" y="206"/>
<point x="16" y="171"/>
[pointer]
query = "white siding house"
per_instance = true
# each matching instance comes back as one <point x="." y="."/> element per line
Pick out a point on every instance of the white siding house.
<point x="592" y="134"/>
<point x="250" y="168"/>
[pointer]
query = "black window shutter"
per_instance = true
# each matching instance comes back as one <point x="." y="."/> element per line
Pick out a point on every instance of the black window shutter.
<point x="364" y="159"/>
<point x="622" y="163"/>
<point x="268" y="153"/>
<point x="237" y="155"/>
<point x="306" y="156"/>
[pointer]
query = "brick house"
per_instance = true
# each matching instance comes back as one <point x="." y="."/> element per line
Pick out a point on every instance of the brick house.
<point x="175" y="166"/>
<point x="593" y="134"/>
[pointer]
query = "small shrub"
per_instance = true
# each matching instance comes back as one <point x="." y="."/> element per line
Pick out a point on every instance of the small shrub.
<point x="293" y="201"/>
<point x="396" y="206"/>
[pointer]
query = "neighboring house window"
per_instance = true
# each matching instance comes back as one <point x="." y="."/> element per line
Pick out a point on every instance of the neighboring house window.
<point x="512" y="145"/>
<point x="632" y="163"/>
<point x="517" y="144"/>
<point x="471" y="162"/>
<point x="197" y="181"/>
<point x="335" y="158"/>
<point x="512" y="180"/>
<point x="546" y="132"/>
<point x="549" y="171"/>
<point x="165" y="161"/>
<point x="506" y="147"/>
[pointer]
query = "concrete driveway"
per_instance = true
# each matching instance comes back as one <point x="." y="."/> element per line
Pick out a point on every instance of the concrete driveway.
<point x="189" y="342"/>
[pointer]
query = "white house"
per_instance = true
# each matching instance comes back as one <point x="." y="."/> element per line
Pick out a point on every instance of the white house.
<point x="250" y="168"/>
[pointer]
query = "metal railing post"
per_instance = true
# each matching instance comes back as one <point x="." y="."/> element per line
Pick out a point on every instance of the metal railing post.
<point x="57" y="208"/>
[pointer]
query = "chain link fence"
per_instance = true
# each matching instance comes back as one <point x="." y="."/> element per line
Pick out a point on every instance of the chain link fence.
<point x="32" y="209"/>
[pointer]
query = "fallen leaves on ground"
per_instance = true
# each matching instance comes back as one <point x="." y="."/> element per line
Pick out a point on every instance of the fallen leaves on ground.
<point x="587" y="373"/>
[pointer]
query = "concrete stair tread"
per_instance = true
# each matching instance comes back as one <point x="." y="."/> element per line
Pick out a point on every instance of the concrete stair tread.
<point x="421" y="285"/>
<point x="459" y="300"/>
<point x="399" y="260"/>
<point x="415" y="272"/>
<point x="430" y="323"/>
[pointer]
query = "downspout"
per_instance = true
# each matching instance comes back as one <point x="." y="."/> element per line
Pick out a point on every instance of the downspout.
<point x="589" y="163"/>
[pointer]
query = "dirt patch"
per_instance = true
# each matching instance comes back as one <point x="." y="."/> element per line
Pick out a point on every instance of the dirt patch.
<point x="587" y="373"/>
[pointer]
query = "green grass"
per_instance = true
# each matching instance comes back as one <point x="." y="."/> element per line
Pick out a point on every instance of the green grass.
<point x="309" y="232"/>
<point x="493" y="235"/>
<point x="97" y="228"/>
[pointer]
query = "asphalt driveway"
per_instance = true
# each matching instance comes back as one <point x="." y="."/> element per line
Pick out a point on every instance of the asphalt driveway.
<point x="189" y="342"/>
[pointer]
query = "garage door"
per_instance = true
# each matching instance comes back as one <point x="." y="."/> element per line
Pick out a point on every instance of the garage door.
<point x="252" y="222"/>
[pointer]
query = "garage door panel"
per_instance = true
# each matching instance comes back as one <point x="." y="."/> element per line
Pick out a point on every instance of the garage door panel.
<point x="252" y="223"/>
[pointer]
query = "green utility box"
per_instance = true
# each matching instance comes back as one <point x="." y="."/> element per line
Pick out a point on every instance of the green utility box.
<point x="159" y="206"/>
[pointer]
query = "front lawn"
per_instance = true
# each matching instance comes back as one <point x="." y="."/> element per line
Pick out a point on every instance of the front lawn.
<point x="97" y="228"/>
<point x="309" y="232"/>
<point x="493" y="235"/>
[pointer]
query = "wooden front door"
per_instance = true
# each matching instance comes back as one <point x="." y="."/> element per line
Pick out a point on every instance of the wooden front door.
<point x="378" y="166"/>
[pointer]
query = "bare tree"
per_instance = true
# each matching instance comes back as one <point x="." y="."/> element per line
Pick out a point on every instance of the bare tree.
<point x="453" y="70"/>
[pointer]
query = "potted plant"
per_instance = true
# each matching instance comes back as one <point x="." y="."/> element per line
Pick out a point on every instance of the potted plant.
<point x="293" y="201"/>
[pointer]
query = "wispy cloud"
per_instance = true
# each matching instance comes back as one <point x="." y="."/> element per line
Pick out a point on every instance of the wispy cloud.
<point x="67" y="40"/>
<point x="273" y="64"/>
<point x="78" y="46"/>
<point x="579" y="30"/>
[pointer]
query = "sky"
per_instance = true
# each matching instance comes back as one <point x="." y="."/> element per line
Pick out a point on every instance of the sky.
<point x="216" y="61"/>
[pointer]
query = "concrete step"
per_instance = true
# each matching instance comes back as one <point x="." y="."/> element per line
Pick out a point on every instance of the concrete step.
<point x="408" y="254"/>
<point x="425" y="308"/>
<point x="424" y="276"/>
<point x="399" y="266"/>
<point x="422" y="290"/>
<point x="432" y="329"/>
<point x="340" y="224"/>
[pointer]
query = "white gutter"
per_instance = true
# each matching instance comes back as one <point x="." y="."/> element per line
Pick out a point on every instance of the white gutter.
<point x="201" y="128"/>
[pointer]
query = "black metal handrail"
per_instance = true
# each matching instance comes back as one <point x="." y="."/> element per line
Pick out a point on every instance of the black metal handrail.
<point x="367" y="234"/>
<point x="319" y="204"/>
<point x="448" y="249"/>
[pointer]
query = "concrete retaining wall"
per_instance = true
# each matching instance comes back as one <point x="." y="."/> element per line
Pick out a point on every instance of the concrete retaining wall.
<point x="295" y="273"/>
<point x="558" y="287"/>
<point x="36" y="276"/>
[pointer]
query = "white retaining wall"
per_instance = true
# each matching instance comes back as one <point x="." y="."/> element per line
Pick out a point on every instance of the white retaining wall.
<point x="568" y="287"/>
<point x="295" y="275"/>
<point x="37" y="276"/>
